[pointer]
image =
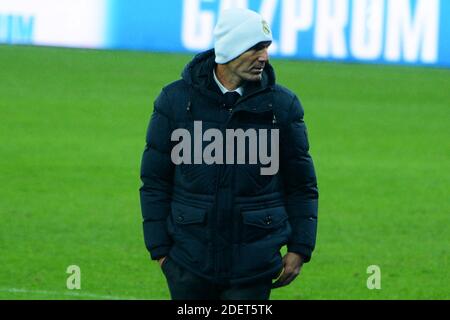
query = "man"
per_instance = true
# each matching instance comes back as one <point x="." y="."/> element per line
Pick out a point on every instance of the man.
<point x="212" y="217"/>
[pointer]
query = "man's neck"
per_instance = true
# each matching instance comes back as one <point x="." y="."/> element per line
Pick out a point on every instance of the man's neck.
<point x="228" y="79"/>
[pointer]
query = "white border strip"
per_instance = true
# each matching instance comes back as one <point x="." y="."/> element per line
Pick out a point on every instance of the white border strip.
<point x="70" y="294"/>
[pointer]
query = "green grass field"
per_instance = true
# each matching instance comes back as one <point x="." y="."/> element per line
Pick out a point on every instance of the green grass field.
<point x="72" y="132"/>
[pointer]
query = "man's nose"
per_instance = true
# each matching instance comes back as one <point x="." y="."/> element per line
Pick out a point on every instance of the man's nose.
<point x="264" y="55"/>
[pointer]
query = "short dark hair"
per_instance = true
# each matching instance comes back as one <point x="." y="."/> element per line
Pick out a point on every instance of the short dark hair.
<point x="260" y="45"/>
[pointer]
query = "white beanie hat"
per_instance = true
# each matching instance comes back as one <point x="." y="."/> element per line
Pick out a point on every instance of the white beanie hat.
<point x="236" y="31"/>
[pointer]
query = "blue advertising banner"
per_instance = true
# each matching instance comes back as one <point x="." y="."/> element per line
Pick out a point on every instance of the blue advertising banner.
<point x="412" y="32"/>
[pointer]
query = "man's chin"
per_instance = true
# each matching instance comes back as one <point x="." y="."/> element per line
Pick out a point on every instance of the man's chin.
<point x="254" y="77"/>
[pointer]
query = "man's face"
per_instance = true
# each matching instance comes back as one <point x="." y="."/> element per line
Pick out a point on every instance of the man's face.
<point x="249" y="65"/>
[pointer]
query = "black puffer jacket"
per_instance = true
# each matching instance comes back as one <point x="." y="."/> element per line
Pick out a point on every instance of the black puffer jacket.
<point x="227" y="222"/>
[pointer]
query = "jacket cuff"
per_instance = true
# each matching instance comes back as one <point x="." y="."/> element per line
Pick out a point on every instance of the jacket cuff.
<point x="300" y="249"/>
<point x="159" y="252"/>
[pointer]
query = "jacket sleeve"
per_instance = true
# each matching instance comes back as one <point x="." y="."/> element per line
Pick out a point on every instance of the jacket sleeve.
<point x="300" y="183"/>
<point x="156" y="176"/>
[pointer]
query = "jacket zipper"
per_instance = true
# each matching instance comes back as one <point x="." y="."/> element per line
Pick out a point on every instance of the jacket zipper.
<point x="219" y="176"/>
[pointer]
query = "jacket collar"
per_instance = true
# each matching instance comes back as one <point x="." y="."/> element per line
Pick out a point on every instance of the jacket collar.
<point x="198" y="74"/>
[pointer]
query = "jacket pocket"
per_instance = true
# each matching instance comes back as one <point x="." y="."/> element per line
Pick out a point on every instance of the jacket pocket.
<point x="186" y="215"/>
<point x="259" y="224"/>
<point x="190" y="232"/>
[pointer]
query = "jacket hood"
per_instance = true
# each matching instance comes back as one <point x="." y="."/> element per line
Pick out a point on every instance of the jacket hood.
<point x="198" y="73"/>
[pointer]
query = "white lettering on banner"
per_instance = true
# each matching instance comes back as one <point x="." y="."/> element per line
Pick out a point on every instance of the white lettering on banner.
<point x="416" y="34"/>
<point x="332" y="17"/>
<point x="297" y="15"/>
<point x="367" y="29"/>
<point x="227" y="4"/>
<point x="16" y="29"/>
<point x="197" y="26"/>
<point x="395" y="30"/>
<point x="66" y="23"/>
